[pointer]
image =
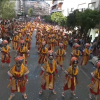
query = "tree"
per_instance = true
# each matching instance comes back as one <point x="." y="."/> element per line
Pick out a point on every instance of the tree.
<point x="59" y="18"/>
<point x="63" y="21"/>
<point x="7" y="10"/>
<point x="72" y="20"/>
<point x="88" y="19"/>
<point x="55" y="17"/>
<point x="48" y="18"/>
<point x="30" y="12"/>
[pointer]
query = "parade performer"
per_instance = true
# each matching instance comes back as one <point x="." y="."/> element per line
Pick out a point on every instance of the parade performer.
<point x="86" y="54"/>
<point x="15" y="40"/>
<point x="23" y="31"/>
<point x="30" y="33"/>
<point x="48" y="39"/>
<point x="75" y="42"/>
<point x="23" y="51"/>
<point x="71" y="77"/>
<point x="58" y="38"/>
<point x="48" y="73"/>
<point x="18" y="78"/>
<point x="76" y="52"/>
<point x="95" y="84"/>
<point x="38" y="36"/>
<point x="42" y="54"/>
<point x="28" y="41"/>
<point x="60" y="55"/>
<point x="5" y="58"/>
<point x="52" y="43"/>
<point x="39" y="43"/>
<point x="42" y="38"/>
<point x="32" y="28"/>
<point x="65" y="42"/>
<point x="67" y="36"/>
<point x="20" y="35"/>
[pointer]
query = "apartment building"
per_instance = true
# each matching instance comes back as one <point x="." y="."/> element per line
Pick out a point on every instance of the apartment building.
<point x="56" y="6"/>
<point x="39" y="7"/>
<point x="70" y="5"/>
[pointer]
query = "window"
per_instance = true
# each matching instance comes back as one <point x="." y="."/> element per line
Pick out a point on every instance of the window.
<point x="82" y="6"/>
<point x="82" y="9"/>
<point x="99" y="8"/>
<point x="72" y="9"/>
<point x="92" y="5"/>
<point x="67" y="10"/>
<point x="60" y="6"/>
<point x="53" y="1"/>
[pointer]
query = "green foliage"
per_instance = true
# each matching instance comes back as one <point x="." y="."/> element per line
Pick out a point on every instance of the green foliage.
<point x="88" y="19"/>
<point x="56" y="16"/>
<point x="71" y="19"/>
<point x="63" y="21"/>
<point x="7" y="10"/>
<point x="30" y="12"/>
<point x="59" y="18"/>
<point x="47" y="18"/>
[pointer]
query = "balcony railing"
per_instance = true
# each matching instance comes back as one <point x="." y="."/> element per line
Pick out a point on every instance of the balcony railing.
<point x="57" y="2"/>
<point x="56" y="10"/>
<point x="60" y="1"/>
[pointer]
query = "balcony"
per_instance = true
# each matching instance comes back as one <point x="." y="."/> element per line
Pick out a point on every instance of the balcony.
<point x="60" y="9"/>
<point x="57" y="2"/>
<point x="56" y="10"/>
<point x="60" y="1"/>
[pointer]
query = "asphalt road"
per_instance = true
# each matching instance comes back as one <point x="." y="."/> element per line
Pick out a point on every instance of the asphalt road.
<point x="33" y="87"/>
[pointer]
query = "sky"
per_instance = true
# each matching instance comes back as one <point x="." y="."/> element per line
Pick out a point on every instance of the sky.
<point x="49" y="1"/>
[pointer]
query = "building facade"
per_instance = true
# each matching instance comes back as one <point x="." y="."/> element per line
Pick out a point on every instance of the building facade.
<point x="70" y="5"/>
<point x="56" y="6"/>
<point x="39" y="7"/>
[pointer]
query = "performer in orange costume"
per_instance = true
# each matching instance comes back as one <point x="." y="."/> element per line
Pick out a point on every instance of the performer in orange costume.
<point x="23" y="51"/>
<point x="58" y="38"/>
<point x="95" y="84"/>
<point x="42" y="54"/>
<point x="71" y="76"/>
<point x="49" y="69"/>
<point x="86" y="54"/>
<point x="28" y="41"/>
<point x="67" y="36"/>
<point x="40" y="40"/>
<point x="5" y="53"/>
<point x="38" y="36"/>
<point x="18" y="78"/>
<point x="75" y="42"/>
<point x="15" y="40"/>
<point x="76" y="52"/>
<point x="65" y="42"/>
<point x="60" y="55"/>
<point x="52" y="43"/>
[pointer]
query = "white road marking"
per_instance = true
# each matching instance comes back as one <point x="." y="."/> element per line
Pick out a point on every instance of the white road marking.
<point x="85" y="73"/>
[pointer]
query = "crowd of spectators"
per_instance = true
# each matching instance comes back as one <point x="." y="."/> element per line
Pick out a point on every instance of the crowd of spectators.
<point x="83" y="39"/>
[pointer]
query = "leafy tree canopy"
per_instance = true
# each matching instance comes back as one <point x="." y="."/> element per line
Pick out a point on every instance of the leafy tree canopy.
<point x="88" y="19"/>
<point x="56" y="16"/>
<point x="30" y="12"/>
<point x="7" y="10"/>
<point x="71" y="19"/>
<point x="47" y="18"/>
<point x="59" y="18"/>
